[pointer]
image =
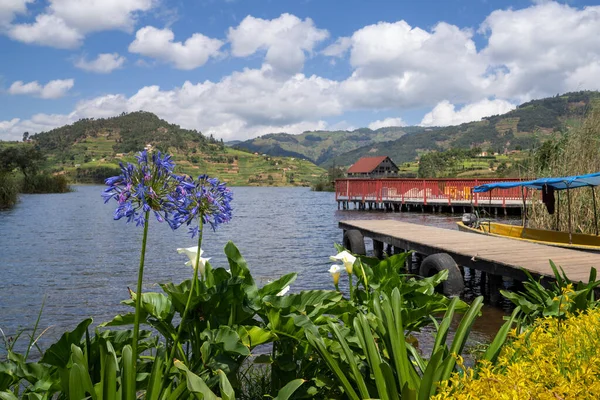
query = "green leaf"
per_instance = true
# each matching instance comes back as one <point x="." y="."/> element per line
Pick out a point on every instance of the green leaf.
<point x="59" y="353"/>
<point x="288" y="390"/>
<point x="156" y="376"/>
<point x="7" y="396"/>
<point x="128" y="375"/>
<point x="358" y="378"/>
<point x="493" y="350"/>
<point x="195" y="384"/>
<point x="122" y="319"/>
<point x="367" y="342"/>
<point x="276" y="286"/>
<point x="317" y="342"/>
<point x="227" y="392"/>
<point x="255" y="336"/>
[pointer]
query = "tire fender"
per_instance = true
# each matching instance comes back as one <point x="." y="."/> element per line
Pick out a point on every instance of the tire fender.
<point x="435" y="263"/>
<point x="355" y="242"/>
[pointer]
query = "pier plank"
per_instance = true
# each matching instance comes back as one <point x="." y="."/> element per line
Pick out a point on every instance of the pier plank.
<point x="500" y="256"/>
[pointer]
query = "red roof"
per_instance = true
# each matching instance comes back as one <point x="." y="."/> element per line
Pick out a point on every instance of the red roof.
<point x="366" y="165"/>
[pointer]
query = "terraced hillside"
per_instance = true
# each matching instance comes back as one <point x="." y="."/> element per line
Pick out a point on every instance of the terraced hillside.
<point x="91" y="149"/>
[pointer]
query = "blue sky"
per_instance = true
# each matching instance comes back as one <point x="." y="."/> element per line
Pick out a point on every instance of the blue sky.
<point x="241" y="68"/>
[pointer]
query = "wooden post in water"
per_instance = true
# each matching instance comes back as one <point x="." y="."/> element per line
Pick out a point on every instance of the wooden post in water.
<point x="495" y="283"/>
<point x="595" y="211"/>
<point x="377" y="249"/>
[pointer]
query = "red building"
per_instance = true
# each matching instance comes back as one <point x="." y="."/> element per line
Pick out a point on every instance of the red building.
<point x="373" y="167"/>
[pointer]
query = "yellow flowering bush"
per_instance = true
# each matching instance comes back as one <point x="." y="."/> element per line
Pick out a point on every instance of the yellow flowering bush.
<point x="553" y="359"/>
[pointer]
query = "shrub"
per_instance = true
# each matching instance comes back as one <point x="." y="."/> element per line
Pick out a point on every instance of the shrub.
<point x="554" y="359"/>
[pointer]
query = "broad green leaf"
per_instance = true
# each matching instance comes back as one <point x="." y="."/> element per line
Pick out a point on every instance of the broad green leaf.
<point x="227" y="392"/>
<point x="255" y="336"/>
<point x="59" y="353"/>
<point x="276" y="286"/>
<point x="288" y="390"/>
<point x="195" y="384"/>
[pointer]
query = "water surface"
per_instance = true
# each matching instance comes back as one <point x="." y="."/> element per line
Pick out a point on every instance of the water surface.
<point x="67" y="249"/>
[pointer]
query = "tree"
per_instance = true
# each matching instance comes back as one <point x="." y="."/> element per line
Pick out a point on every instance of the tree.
<point x="25" y="136"/>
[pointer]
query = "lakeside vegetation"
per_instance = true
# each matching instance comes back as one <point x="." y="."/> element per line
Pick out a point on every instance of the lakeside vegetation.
<point x="21" y="171"/>
<point x="574" y="153"/>
<point x="219" y="335"/>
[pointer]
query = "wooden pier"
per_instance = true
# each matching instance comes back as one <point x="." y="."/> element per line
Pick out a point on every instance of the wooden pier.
<point x="496" y="257"/>
<point x="436" y="195"/>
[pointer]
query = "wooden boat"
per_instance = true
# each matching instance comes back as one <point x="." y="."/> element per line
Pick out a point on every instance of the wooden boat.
<point x="579" y="241"/>
<point x="548" y="186"/>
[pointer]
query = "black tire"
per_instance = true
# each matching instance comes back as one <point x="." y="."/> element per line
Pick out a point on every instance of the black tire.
<point x="435" y="263"/>
<point x="355" y="242"/>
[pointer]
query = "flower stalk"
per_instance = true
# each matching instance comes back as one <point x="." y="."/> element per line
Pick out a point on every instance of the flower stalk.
<point x="196" y="266"/>
<point x="138" y="293"/>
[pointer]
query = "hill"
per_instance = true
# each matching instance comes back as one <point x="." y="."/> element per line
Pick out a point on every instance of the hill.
<point x="523" y="128"/>
<point x="90" y="150"/>
<point x="321" y="146"/>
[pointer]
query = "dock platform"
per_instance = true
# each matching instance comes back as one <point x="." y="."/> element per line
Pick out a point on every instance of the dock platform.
<point x="430" y="195"/>
<point x="497" y="257"/>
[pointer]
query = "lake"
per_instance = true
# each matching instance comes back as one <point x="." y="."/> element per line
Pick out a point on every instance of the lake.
<point x="68" y="250"/>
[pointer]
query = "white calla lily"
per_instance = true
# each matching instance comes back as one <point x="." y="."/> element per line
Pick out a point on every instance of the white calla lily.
<point x="345" y="257"/>
<point x="283" y="291"/>
<point x="192" y="253"/>
<point x="335" y="271"/>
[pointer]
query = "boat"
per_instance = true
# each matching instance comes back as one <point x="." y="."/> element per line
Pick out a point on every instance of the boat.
<point x="548" y="186"/>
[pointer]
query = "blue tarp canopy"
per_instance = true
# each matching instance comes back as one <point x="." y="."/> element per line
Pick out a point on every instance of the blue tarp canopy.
<point x="567" y="182"/>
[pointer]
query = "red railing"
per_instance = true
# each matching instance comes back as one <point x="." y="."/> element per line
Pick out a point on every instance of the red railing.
<point x="423" y="190"/>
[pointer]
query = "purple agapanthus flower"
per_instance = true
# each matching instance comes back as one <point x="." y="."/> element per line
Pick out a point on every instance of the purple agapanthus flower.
<point x="205" y="198"/>
<point x="146" y="186"/>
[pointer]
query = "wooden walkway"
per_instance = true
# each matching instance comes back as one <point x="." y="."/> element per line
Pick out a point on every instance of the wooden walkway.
<point x="493" y="255"/>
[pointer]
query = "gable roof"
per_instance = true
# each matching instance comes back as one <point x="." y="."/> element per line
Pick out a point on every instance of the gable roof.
<point x="366" y="165"/>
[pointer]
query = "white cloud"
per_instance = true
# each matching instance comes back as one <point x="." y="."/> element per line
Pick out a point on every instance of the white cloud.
<point x="387" y="122"/>
<point x="286" y="39"/>
<point x="398" y="66"/>
<point x="103" y="64"/>
<point x="541" y="50"/>
<point x="47" y="30"/>
<point x="445" y="113"/>
<point x="9" y="8"/>
<point x="52" y="90"/>
<point x="339" y="48"/>
<point x="8" y="125"/>
<point x="64" y="23"/>
<point x="242" y="105"/>
<point x="159" y="43"/>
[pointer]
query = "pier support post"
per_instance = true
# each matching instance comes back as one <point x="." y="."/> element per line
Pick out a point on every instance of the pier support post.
<point x="495" y="283"/>
<point x="377" y="249"/>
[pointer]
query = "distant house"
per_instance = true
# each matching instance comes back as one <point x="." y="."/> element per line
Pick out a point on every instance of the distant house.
<point x="373" y="167"/>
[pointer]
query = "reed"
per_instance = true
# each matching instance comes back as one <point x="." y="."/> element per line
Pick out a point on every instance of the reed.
<point x="574" y="153"/>
<point x="45" y="183"/>
<point x="9" y="190"/>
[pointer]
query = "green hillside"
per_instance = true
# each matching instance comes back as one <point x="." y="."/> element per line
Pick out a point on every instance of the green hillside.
<point x="321" y="146"/>
<point x="523" y="128"/>
<point x="91" y="149"/>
